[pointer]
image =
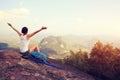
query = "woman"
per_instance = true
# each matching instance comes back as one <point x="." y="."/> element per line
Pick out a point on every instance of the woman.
<point x="25" y="48"/>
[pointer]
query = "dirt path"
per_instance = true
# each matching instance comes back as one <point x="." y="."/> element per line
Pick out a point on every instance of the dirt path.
<point x="13" y="67"/>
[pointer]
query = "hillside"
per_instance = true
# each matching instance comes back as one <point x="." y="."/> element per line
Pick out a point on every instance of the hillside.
<point x="59" y="46"/>
<point x="13" y="67"/>
<point x="53" y="46"/>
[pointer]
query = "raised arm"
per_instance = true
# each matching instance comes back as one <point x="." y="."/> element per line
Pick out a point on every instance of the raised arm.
<point x="32" y="34"/>
<point x="14" y="29"/>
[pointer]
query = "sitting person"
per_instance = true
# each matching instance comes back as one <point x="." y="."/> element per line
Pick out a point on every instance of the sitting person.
<point x="25" y="48"/>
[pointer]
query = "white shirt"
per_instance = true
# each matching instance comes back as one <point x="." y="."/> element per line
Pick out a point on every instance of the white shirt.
<point x="24" y="43"/>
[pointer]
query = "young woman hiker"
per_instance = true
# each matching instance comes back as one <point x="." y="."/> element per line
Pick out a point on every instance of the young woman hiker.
<point x="25" y="47"/>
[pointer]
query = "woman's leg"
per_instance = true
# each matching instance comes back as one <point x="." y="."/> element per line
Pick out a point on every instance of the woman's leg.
<point x="33" y="47"/>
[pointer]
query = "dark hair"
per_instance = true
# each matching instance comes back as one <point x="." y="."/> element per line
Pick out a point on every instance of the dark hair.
<point x="24" y="30"/>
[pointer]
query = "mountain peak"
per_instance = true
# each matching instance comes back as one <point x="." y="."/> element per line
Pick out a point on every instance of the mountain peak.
<point x="13" y="67"/>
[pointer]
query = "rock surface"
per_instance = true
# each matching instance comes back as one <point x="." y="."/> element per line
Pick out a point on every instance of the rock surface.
<point x="13" y="67"/>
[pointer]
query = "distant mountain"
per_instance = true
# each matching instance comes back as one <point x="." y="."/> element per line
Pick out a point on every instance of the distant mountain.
<point x="53" y="46"/>
<point x="59" y="46"/>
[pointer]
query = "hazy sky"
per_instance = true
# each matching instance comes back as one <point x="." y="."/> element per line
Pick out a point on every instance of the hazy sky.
<point x="81" y="17"/>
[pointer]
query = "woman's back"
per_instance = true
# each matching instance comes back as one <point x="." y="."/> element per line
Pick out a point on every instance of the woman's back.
<point x="24" y="43"/>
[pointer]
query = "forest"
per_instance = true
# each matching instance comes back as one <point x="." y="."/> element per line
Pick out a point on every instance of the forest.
<point x="102" y="61"/>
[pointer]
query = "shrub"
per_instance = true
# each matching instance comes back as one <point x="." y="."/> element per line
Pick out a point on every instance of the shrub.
<point x="104" y="61"/>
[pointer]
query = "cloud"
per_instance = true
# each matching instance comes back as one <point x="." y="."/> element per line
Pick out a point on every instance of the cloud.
<point x="20" y="11"/>
<point x="14" y="13"/>
<point x="2" y="15"/>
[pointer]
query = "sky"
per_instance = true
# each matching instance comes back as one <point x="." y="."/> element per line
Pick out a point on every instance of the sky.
<point x="62" y="17"/>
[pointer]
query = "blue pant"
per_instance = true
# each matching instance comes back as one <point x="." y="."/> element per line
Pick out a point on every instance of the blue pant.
<point x="40" y="55"/>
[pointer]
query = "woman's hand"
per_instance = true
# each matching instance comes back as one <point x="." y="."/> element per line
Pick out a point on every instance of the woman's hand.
<point x="9" y="24"/>
<point x="43" y="27"/>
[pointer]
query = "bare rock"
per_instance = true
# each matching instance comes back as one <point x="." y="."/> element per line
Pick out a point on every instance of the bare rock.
<point x="13" y="67"/>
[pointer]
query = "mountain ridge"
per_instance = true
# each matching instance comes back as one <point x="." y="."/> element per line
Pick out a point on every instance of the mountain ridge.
<point x="13" y="67"/>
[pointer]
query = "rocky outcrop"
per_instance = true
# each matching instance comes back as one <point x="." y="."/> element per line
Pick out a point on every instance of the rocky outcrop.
<point x="13" y="67"/>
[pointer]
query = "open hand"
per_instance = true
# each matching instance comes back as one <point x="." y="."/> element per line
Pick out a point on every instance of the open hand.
<point x="9" y="24"/>
<point x="43" y="27"/>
